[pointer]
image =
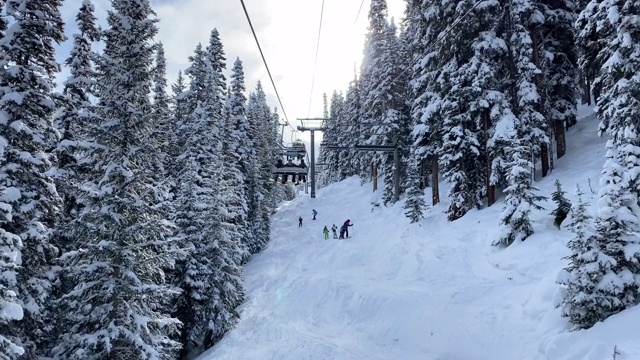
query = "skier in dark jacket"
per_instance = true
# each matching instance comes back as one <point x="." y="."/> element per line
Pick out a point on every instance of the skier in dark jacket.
<point x="314" y="212"/>
<point x="300" y="221"/>
<point x="345" y="226"/>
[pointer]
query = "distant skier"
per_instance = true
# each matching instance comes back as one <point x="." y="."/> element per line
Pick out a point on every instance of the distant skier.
<point x="326" y="232"/>
<point x="334" y="228"/>
<point x="300" y="221"/>
<point x="314" y="212"/>
<point x="345" y="226"/>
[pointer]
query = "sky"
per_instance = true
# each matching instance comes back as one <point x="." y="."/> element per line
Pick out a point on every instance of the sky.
<point x="287" y="31"/>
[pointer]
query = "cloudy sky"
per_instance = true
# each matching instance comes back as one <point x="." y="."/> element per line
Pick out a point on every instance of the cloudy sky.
<point x="287" y="31"/>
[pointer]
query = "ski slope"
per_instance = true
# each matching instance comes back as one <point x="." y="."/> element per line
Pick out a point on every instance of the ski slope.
<point x="431" y="290"/>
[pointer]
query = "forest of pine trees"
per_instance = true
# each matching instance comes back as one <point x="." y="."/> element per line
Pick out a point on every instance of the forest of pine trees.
<point x="480" y="95"/>
<point x="128" y="210"/>
<point x="128" y="207"/>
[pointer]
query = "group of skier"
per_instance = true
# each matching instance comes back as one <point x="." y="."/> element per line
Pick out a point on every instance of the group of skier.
<point x="344" y="229"/>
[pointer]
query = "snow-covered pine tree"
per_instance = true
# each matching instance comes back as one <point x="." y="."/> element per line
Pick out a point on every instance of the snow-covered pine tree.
<point x="429" y="83"/>
<point x="559" y="68"/>
<point x="3" y="20"/>
<point x="259" y="177"/>
<point x="76" y="116"/>
<point x="164" y="130"/>
<point x="414" y="205"/>
<point x="563" y="205"/>
<point x="580" y="278"/>
<point x="115" y="308"/>
<point x="520" y="196"/>
<point x="331" y="157"/>
<point x="29" y="199"/>
<point x="349" y="132"/>
<point x="179" y="110"/>
<point x="467" y="106"/>
<point x="394" y="129"/>
<point x="10" y="247"/>
<point x="217" y="59"/>
<point x="527" y="103"/>
<point x="373" y="108"/>
<point x="237" y="149"/>
<point x="616" y="25"/>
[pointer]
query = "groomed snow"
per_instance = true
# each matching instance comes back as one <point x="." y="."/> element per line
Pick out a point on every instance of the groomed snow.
<point x="432" y="290"/>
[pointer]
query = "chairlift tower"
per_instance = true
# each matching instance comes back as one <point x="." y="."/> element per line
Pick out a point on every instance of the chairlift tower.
<point x="312" y="129"/>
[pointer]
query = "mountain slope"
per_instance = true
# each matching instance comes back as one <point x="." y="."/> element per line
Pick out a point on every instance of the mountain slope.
<point x="432" y="290"/>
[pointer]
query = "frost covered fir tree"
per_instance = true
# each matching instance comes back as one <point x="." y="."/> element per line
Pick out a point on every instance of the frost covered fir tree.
<point x="563" y="205"/>
<point x="235" y="150"/>
<point x="76" y="117"/>
<point x="415" y="204"/>
<point x="211" y="283"/>
<point x="520" y="196"/>
<point x="28" y="196"/>
<point x="115" y="308"/>
<point x="467" y="107"/>
<point x="259" y="177"/>
<point x="581" y="277"/>
<point x="164" y="131"/>
<point x="615" y="26"/>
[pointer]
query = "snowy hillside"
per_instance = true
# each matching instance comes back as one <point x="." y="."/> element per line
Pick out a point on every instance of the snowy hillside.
<point x="432" y="290"/>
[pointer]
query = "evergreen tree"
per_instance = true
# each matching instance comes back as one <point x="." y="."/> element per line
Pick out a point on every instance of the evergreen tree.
<point x="350" y="131"/>
<point x="215" y="54"/>
<point x="563" y="205"/>
<point x="211" y="282"/>
<point x="581" y="276"/>
<point x="430" y="76"/>
<point x="77" y="114"/>
<point x="331" y="136"/>
<point x="467" y="107"/>
<point x="259" y="179"/>
<point x="3" y="20"/>
<point x="28" y="195"/>
<point x="164" y="128"/>
<point x="618" y="111"/>
<point x="236" y="154"/>
<point x="179" y="110"/>
<point x="115" y="309"/>
<point x="520" y="198"/>
<point x="415" y="204"/>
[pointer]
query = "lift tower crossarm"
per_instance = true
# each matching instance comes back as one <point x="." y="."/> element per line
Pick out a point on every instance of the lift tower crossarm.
<point x="312" y="129"/>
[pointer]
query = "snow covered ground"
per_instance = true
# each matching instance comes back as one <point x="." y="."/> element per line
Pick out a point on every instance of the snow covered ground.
<point x="432" y="290"/>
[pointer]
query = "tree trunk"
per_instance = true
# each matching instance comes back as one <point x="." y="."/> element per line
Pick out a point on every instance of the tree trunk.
<point x="486" y="125"/>
<point x="435" y="191"/>
<point x="561" y="142"/>
<point x="374" y="176"/>
<point x="544" y="148"/>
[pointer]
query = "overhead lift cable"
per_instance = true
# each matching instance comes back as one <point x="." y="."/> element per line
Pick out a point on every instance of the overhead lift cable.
<point x="358" y="15"/>
<point x="265" y="64"/>
<point x="313" y="79"/>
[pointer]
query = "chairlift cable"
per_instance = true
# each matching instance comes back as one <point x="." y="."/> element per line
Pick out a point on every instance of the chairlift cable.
<point x="313" y="78"/>
<point x="358" y="15"/>
<point x="246" y="13"/>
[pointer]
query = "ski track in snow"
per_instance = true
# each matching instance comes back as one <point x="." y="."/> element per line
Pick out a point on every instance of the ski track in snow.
<point x="433" y="290"/>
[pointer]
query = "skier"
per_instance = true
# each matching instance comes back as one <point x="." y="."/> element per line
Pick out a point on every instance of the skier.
<point x="334" y="228"/>
<point x="300" y="221"/>
<point x="326" y="232"/>
<point x="314" y="212"/>
<point x="345" y="226"/>
<point x="341" y="233"/>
